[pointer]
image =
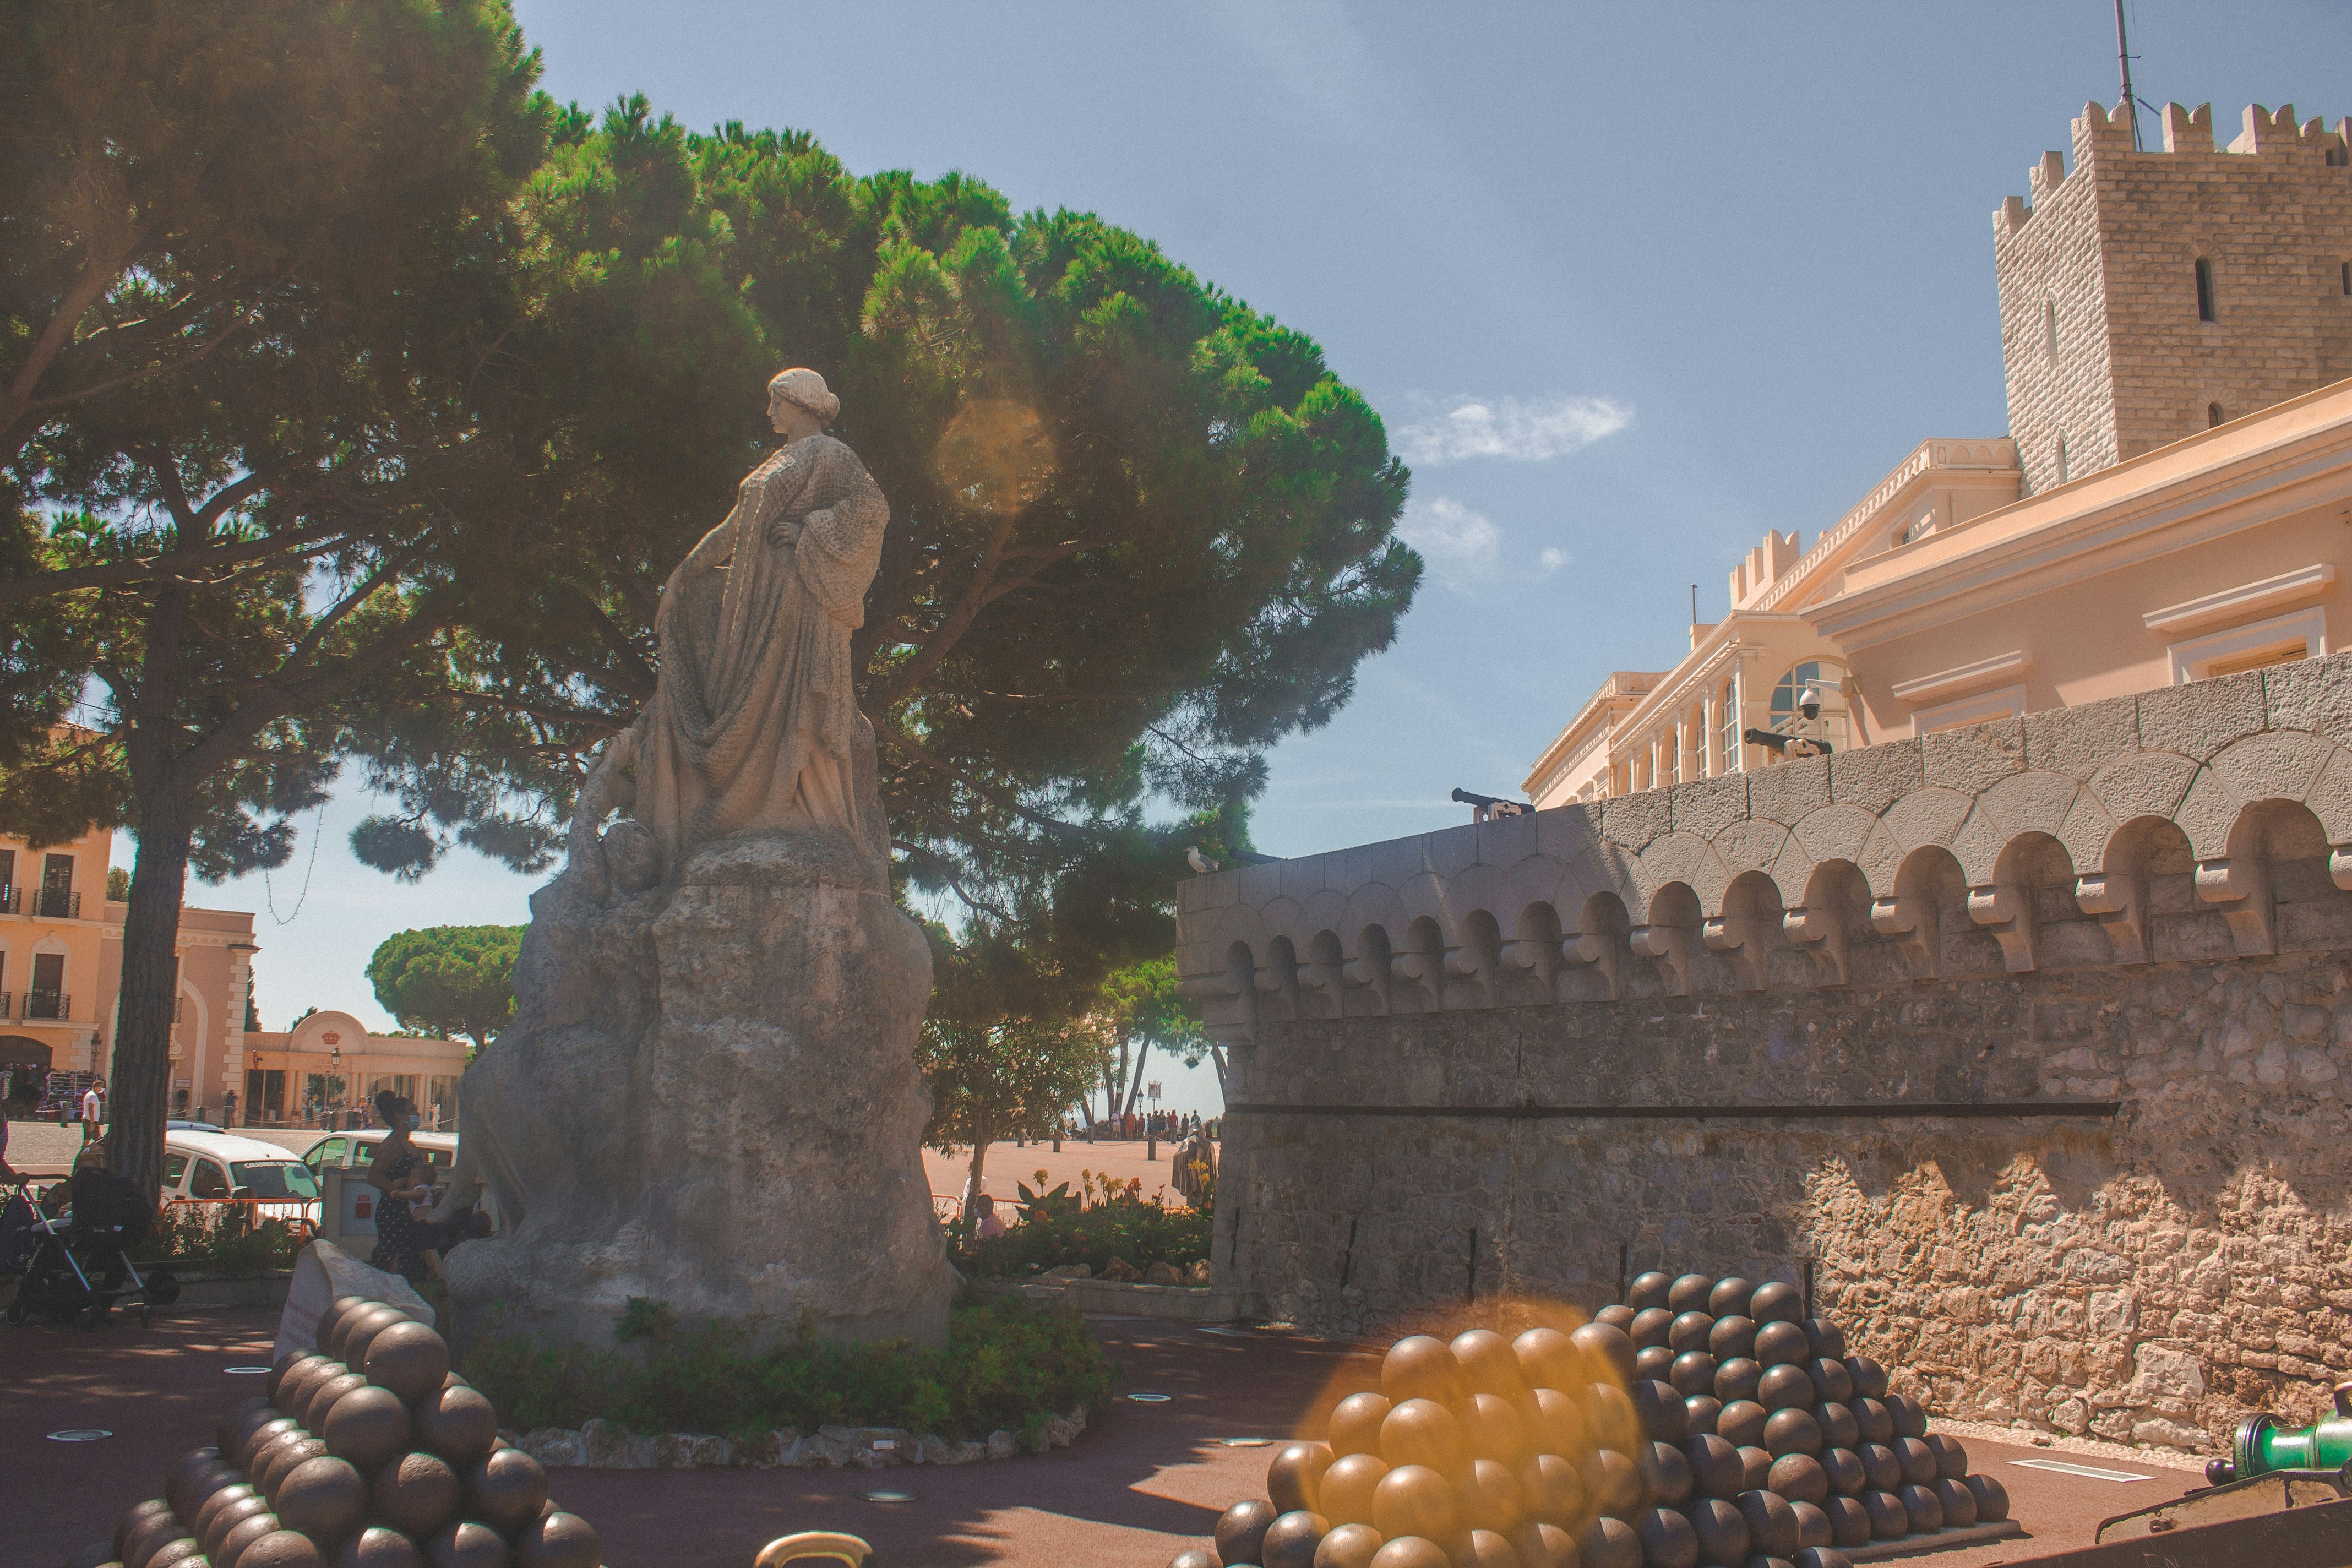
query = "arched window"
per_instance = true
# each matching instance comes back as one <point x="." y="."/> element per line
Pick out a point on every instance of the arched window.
<point x="1732" y="754"/>
<point x="1826" y="676"/>
<point x="2204" y="289"/>
<point x="2213" y="415"/>
<point x="2050" y="331"/>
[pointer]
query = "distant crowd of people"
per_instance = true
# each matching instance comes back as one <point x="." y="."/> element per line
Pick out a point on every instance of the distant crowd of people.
<point x="1162" y="1124"/>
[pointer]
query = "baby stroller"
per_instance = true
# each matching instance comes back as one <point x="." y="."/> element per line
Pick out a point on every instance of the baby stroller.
<point x="78" y="1266"/>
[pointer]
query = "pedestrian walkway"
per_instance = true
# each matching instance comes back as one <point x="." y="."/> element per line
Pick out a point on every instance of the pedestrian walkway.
<point x="1122" y="1159"/>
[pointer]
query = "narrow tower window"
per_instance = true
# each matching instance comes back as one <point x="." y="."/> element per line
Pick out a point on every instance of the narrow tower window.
<point x="2213" y="415"/>
<point x="2347" y="278"/>
<point x="2204" y="289"/>
<point x="2050" y="331"/>
<point x="2061" y="459"/>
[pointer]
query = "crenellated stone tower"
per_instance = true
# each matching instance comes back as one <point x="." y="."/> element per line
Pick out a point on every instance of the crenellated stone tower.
<point x="2147" y="295"/>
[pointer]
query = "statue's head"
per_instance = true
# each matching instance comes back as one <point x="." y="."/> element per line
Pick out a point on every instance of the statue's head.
<point x="803" y="389"/>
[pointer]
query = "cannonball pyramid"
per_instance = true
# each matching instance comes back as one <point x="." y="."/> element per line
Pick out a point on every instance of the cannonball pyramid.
<point x="1703" y="1422"/>
<point x="368" y="1453"/>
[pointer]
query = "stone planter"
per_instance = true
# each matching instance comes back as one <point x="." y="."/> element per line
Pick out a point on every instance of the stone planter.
<point x="599" y="1445"/>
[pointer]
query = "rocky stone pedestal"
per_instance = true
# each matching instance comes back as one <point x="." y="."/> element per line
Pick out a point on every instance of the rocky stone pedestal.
<point x="709" y="1098"/>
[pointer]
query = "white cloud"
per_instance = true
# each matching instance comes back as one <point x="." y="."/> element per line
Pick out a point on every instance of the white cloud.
<point x="1553" y="559"/>
<point x="1461" y="546"/>
<point x="1524" y="431"/>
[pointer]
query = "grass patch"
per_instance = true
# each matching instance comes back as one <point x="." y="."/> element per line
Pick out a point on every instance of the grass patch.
<point x="1009" y="1364"/>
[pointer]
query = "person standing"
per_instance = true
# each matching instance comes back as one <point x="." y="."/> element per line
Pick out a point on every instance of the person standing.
<point x="93" y="1111"/>
<point x="399" y="1245"/>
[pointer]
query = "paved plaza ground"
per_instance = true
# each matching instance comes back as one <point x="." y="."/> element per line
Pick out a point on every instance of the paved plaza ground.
<point x="1144" y="1480"/>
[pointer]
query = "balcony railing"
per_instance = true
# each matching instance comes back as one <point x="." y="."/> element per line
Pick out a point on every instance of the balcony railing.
<point x="5" y="1000"/>
<point x="12" y="899"/>
<point x="57" y="904"/>
<point x="47" y="1004"/>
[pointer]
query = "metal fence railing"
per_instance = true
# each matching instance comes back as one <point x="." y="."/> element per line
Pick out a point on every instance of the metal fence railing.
<point x="58" y="904"/>
<point x="47" y="1004"/>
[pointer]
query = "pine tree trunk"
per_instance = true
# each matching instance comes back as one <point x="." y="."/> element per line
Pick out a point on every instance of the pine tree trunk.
<point x="142" y="1080"/>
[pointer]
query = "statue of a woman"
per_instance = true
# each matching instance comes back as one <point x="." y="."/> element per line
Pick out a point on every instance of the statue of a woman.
<point x="754" y="724"/>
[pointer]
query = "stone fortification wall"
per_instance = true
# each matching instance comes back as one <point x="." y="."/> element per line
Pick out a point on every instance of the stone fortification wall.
<point x="2032" y="1042"/>
<point x="2112" y="247"/>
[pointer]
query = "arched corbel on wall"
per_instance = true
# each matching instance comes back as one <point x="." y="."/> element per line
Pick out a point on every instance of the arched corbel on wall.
<point x="1474" y="961"/>
<point x="2118" y="892"/>
<point x="1602" y="943"/>
<point x="1417" y="969"/>
<point x="1835" y="911"/>
<point x="1749" y="930"/>
<point x="1670" y="935"/>
<point x="2006" y="905"/>
<point x="1322" y="977"/>
<point x="2238" y="883"/>
<point x="1276" y="981"/>
<point x="1531" y="960"/>
<point x="1371" y="971"/>
<point x="1929" y="878"/>
<point x="1228" y="997"/>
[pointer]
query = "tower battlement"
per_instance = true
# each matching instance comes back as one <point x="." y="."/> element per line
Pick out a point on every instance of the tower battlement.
<point x="2148" y="293"/>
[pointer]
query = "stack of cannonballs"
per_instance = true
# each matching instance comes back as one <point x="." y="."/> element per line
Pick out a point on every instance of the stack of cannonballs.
<point x="370" y="1453"/>
<point x="1705" y="1421"/>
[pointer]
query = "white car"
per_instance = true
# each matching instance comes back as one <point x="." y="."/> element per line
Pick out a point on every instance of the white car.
<point x="345" y="1151"/>
<point x="198" y="1165"/>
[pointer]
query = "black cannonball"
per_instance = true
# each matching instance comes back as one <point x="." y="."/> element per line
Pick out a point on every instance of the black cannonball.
<point x="213" y="1477"/>
<point x="1648" y="1291"/>
<point x="205" y="1525"/>
<point x="467" y="1544"/>
<point x="1489" y="1363"/>
<point x="1775" y="1302"/>
<point x="1715" y="1466"/>
<point x="1771" y="1527"/>
<point x="1849" y="1521"/>
<point x="1612" y="1483"/>
<point x="1958" y="1503"/>
<point x="506" y="1488"/>
<point x="1616" y="1315"/>
<point x="283" y="1548"/>
<point x="1800" y="1477"/>
<point x="1741" y="1424"/>
<point x="1659" y="1408"/>
<point x="1489" y="1497"/>
<point x="1689" y="1332"/>
<point x="1602" y="1346"/>
<point x="1729" y="1297"/>
<point x="186" y="1548"/>
<point x="1550" y="1488"/>
<point x="1732" y="1338"/>
<point x="1547" y="1358"/>
<point x="409" y="1359"/>
<point x="1831" y="1382"/>
<point x="139" y="1513"/>
<point x="1700" y="1412"/>
<point x="1784" y="1387"/>
<point x="149" y="1534"/>
<point x="325" y="1394"/>
<point x="416" y="1494"/>
<point x="1828" y="1339"/>
<point x="1492" y="1428"/>
<point x="1241" y="1531"/>
<point x="302" y="1381"/>
<point x="1869" y="1377"/>
<point x="264" y="1436"/>
<point x="1838" y="1428"/>
<point x="1881" y="1465"/>
<point x="1889" y="1520"/>
<point x="1910" y="1415"/>
<point x="1820" y="1557"/>
<point x="1722" y="1532"/>
<point x="367" y="1426"/>
<point x="242" y="1536"/>
<point x="1843" y="1466"/>
<point x="1609" y="1417"/>
<point x="1666" y="1475"/>
<point x="1737" y="1378"/>
<point x="1991" y="1499"/>
<point x="1918" y="1461"/>
<point x="1925" y="1511"/>
<point x="1288" y="1542"/>
<point x="283" y="1368"/>
<point x="1555" y="1424"/>
<point x="1689" y="1292"/>
<point x="336" y="1318"/>
<point x="1791" y="1432"/>
<point x="325" y="1499"/>
<point x="1654" y="1361"/>
<point x="1813" y="1528"/>
<point x="353" y="1334"/>
<point x="1876" y="1422"/>
<point x="458" y="1424"/>
<point x="1650" y="1327"/>
<point x="183" y="1475"/>
<point x="1693" y="1372"/>
<point x="238" y="1419"/>
<point x="376" y="1547"/>
<point x="1200" y="1557"/>
<point x="560" y="1540"/>
<point x="1951" y="1459"/>
<point x="1757" y="1463"/>
<point x="275" y="1463"/>
<point x="1667" y="1539"/>
<point x="1608" y="1542"/>
<point x="1291" y="1479"/>
<point x="1782" y="1342"/>
<point x="1538" y="1544"/>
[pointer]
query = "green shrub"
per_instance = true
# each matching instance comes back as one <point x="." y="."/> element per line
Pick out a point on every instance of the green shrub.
<point x="199" y="1236"/>
<point x="1008" y="1364"/>
<point x="1057" y="1228"/>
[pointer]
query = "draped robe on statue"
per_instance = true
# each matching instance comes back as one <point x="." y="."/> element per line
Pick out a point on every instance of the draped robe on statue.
<point x="754" y="724"/>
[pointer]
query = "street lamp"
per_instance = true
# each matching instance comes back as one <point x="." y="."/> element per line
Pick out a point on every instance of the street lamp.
<point x="335" y="1082"/>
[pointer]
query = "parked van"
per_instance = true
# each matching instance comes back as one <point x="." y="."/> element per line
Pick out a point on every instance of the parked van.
<point x="356" y="1150"/>
<point x="224" y="1166"/>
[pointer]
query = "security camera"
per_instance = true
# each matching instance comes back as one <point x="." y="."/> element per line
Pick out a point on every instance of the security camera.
<point x="1810" y="703"/>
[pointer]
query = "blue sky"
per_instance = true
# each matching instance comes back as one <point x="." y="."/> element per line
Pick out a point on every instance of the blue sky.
<point x="1629" y="283"/>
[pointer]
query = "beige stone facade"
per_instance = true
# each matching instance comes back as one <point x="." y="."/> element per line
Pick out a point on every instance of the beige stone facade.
<point x="2146" y="296"/>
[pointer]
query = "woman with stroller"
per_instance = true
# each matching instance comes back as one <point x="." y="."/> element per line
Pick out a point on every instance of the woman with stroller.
<point x="397" y="1174"/>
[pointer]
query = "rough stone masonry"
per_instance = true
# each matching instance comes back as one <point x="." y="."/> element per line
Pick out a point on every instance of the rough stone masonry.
<point x="2081" y="1168"/>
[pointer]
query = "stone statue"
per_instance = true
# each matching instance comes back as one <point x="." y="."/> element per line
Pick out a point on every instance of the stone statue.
<point x="708" y="1095"/>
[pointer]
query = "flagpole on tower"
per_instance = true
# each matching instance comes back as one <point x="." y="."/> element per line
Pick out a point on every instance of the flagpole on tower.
<point x="2123" y="58"/>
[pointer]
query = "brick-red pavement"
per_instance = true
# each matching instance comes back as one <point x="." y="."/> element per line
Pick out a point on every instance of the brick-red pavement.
<point x="1144" y="1480"/>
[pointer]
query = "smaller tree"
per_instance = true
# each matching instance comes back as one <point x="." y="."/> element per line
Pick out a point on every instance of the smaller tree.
<point x="1145" y="1009"/>
<point x="453" y="980"/>
<point x="997" y="1078"/>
